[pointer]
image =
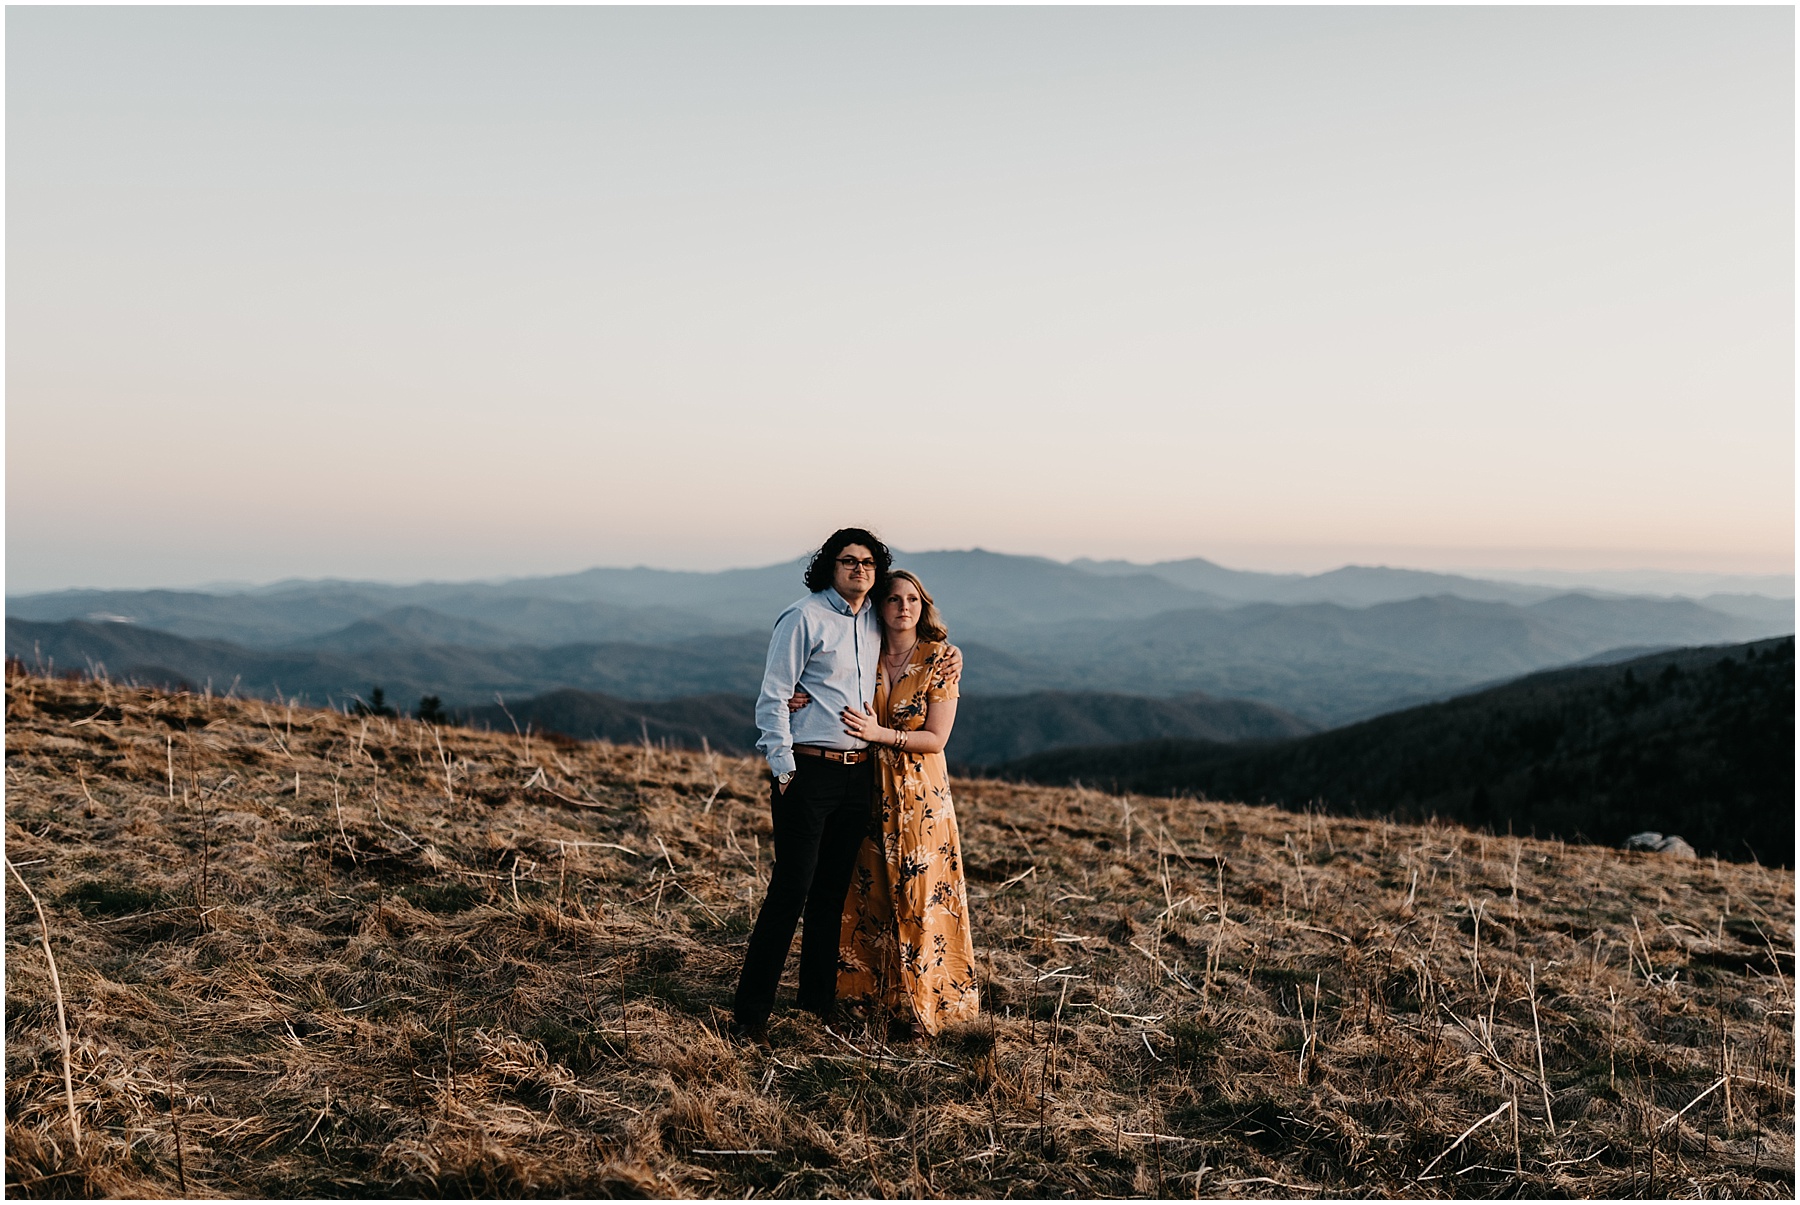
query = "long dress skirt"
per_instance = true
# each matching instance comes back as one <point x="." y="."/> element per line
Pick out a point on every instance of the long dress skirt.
<point x="905" y="941"/>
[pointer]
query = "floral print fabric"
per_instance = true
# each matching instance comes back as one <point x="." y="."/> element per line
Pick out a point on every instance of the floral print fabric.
<point x="905" y="940"/>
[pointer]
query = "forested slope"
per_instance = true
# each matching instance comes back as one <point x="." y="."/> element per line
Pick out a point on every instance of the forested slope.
<point x="1697" y="741"/>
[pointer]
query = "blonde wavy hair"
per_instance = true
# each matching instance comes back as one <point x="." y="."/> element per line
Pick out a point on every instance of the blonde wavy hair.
<point x="931" y="624"/>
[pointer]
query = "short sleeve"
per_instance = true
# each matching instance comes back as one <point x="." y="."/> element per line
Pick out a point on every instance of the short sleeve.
<point x="938" y="688"/>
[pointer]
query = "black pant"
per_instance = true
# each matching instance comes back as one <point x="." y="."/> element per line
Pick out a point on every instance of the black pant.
<point x="820" y="821"/>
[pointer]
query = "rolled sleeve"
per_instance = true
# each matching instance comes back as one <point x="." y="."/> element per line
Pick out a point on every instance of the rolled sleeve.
<point x="782" y="761"/>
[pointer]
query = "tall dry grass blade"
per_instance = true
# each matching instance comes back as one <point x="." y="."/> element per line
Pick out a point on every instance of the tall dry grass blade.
<point x="1612" y="1043"/>
<point x="1518" y="1149"/>
<point x="180" y="1159"/>
<point x="1315" y="1016"/>
<point x="1537" y="1034"/>
<point x="1649" y="972"/>
<point x="1725" y="1073"/>
<point x="1175" y="975"/>
<point x="338" y="807"/>
<point x="1463" y="1137"/>
<point x="501" y="704"/>
<point x="62" y="1020"/>
<point x="1677" y="1116"/>
<point x="444" y="760"/>
<point x="1217" y="953"/>
<point x="1475" y="949"/>
<point x="1775" y="959"/>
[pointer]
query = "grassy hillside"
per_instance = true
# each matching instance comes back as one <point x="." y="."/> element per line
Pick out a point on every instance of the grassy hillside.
<point x="303" y="954"/>
<point x="1697" y="741"/>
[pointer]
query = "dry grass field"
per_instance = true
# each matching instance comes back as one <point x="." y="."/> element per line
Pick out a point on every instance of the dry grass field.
<point x="306" y="954"/>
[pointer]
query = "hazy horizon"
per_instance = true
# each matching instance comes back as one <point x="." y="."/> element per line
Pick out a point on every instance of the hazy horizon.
<point x="458" y="293"/>
<point x="1622" y="581"/>
<point x="1547" y="567"/>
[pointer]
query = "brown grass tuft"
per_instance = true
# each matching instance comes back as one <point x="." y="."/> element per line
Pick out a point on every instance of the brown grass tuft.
<point x="342" y="956"/>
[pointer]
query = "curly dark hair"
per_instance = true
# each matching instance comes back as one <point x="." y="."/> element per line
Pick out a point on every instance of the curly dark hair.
<point x="824" y="561"/>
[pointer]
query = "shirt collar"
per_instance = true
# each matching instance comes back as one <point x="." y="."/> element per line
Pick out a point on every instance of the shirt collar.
<point x="837" y="602"/>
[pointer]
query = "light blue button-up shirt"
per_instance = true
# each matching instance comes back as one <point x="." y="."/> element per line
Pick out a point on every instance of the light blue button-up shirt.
<point x="820" y="645"/>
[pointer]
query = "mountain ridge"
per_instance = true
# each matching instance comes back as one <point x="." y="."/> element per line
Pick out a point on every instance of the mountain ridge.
<point x="1328" y="663"/>
<point x="1323" y="662"/>
<point x="988" y="587"/>
<point x="1029" y="624"/>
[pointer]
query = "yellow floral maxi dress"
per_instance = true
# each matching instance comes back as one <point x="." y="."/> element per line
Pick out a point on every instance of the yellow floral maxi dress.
<point x="905" y="939"/>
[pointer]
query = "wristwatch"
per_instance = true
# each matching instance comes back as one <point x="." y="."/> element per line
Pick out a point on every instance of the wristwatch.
<point x="782" y="780"/>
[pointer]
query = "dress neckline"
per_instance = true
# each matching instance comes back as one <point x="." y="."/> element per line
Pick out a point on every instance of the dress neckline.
<point x="912" y="659"/>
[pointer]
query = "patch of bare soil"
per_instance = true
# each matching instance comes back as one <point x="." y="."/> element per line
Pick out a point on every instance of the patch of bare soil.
<point x="307" y="954"/>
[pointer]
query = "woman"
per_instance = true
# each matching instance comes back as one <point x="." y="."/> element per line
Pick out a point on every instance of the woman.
<point x="905" y="941"/>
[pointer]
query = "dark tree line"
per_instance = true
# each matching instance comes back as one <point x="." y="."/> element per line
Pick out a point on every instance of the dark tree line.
<point x="431" y="708"/>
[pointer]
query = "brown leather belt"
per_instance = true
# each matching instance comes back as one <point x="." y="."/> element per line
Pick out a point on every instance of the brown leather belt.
<point x="849" y="757"/>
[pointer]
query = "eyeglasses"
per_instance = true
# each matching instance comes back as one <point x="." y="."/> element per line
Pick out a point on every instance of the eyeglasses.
<point x="852" y="562"/>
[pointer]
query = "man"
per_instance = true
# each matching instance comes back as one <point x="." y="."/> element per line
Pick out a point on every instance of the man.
<point x="822" y="778"/>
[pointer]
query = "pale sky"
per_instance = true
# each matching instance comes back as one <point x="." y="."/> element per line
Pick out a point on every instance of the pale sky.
<point x="418" y="292"/>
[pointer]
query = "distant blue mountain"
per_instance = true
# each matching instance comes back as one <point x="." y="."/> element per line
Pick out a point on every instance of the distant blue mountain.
<point x="1328" y="648"/>
<point x="1352" y="585"/>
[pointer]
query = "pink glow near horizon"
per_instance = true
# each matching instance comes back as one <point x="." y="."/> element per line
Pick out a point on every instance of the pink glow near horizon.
<point x="460" y="293"/>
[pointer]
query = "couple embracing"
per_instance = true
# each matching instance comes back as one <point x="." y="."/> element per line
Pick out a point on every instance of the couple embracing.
<point x="857" y="701"/>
